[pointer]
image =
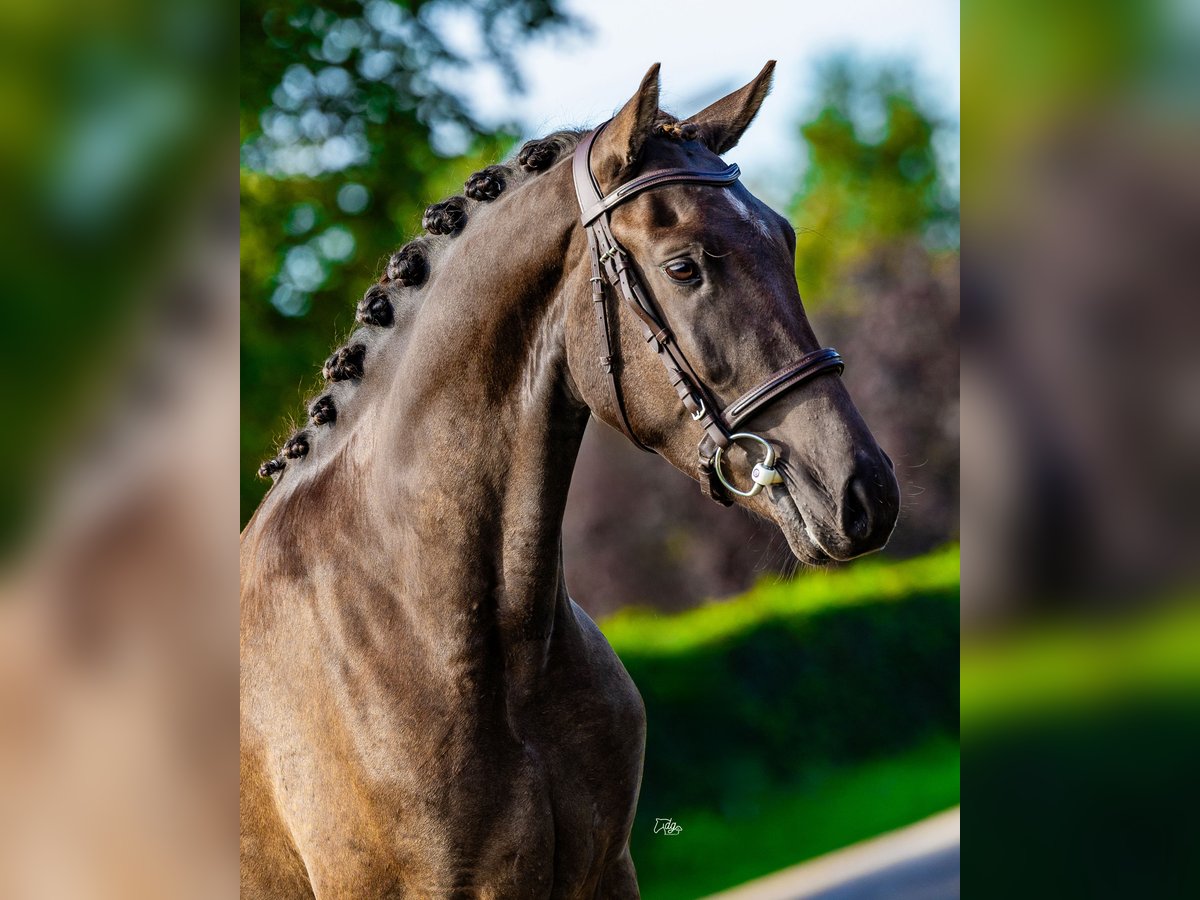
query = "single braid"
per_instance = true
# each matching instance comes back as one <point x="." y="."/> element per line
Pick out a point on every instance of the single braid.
<point x="486" y="184"/>
<point x="271" y="467"/>
<point x="323" y="411"/>
<point x="408" y="265"/>
<point x="345" y="364"/>
<point x="447" y="217"/>
<point x="375" y="308"/>
<point x="537" y="156"/>
<point x="296" y="446"/>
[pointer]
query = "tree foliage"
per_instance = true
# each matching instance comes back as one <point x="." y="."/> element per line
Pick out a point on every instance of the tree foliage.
<point x="874" y="175"/>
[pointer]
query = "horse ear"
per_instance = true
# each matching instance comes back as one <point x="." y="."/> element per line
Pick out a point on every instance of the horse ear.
<point x="619" y="146"/>
<point x="722" y="125"/>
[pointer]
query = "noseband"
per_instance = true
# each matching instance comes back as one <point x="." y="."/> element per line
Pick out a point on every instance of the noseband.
<point x="610" y="265"/>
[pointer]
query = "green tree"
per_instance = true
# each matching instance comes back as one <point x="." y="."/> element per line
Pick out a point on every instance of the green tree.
<point x="874" y="175"/>
<point x="350" y="126"/>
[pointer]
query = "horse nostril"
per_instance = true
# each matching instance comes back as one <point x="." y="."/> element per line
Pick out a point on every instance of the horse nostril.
<point x="856" y="510"/>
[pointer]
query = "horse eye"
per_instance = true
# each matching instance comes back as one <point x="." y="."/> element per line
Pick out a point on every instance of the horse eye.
<point x="682" y="270"/>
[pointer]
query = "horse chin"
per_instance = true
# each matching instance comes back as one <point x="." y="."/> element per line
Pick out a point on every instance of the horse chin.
<point x="803" y="543"/>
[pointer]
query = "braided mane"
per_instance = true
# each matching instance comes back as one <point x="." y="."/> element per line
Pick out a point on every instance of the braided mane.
<point x="399" y="286"/>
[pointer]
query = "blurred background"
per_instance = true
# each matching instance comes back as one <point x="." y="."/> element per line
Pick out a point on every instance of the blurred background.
<point x="1079" y="663"/>
<point x="790" y="713"/>
<point x="1081" y="435"/>
<point x="118" y="463"/>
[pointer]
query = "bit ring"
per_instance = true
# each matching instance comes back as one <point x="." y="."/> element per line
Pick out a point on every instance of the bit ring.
<point x="764" y="473"/>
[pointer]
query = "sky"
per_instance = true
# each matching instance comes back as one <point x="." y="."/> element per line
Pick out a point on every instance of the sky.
<point x="709" y="48"/>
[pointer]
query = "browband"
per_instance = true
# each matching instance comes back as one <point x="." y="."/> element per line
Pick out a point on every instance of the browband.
<point x="610" y="266"/>
<point x="657" y="179"/>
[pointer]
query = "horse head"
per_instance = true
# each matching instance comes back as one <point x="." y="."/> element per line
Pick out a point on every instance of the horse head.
<point x="695" y="272"/>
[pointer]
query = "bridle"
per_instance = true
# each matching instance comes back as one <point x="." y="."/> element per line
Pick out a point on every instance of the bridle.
<point x="610" y="265"/>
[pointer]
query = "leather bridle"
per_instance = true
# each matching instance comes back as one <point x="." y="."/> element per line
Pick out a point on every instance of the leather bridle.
<point x="610" y="265"/>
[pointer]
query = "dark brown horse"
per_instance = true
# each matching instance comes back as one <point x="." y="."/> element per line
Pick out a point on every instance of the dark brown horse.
<point x="425" y="712"/>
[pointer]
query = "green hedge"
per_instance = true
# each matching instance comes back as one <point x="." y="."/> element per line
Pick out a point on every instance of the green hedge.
<point x="792" y="684"/>
<point x="1081" y="740"/>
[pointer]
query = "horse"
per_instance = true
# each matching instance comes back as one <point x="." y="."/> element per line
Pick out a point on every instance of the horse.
<point x="425" y="712"/>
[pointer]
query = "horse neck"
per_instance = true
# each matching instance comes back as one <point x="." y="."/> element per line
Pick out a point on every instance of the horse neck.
<point x="471" y="450"/>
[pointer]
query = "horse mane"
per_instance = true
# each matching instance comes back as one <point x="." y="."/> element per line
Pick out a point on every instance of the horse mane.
<point x="398" y="288"/>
